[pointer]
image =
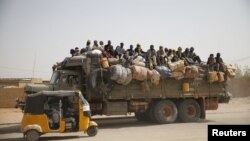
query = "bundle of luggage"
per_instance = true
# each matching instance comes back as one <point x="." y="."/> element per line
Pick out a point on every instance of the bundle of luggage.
<point x="214" y="76"/>
<point x="123" y="74"/>
<point x="124" y="70"/>
<point x="120" y="74"/>
<point x="231" y="70"/>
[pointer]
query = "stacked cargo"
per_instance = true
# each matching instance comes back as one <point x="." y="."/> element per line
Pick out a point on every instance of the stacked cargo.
<point x="163" y="71"/>
<point x="191" y="71"/>
<point x="122" y="70"/>
<point x="230" y="70"/>
<point x="155" y="79"/>
<point x="120" y="74"/>
<point x="137" y="70"/>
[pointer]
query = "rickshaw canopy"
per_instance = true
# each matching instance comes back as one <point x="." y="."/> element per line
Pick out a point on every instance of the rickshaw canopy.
<point x="35" y="102"/>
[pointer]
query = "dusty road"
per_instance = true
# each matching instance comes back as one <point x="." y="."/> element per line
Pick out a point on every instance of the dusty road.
<point x="127" y="128"/>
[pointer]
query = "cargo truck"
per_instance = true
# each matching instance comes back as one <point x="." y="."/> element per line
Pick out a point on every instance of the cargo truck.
<point x="186" y="99"/>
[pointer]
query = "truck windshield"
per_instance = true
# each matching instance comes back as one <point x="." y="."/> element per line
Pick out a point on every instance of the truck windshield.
<point x="55" y="78"/>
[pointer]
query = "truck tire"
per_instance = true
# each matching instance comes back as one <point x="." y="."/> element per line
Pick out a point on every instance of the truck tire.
<point x="146" y="115"/>
<point x="189" y="110"/>
<point x="165" y="111"/>
<point x="150" y="113"/>
<point x="99" y="82"/>
<point x="141" y="116"/>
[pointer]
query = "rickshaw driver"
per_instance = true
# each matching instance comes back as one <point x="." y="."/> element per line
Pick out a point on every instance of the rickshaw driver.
<point x="68" y="108"/>
<point x="54" y="112"/>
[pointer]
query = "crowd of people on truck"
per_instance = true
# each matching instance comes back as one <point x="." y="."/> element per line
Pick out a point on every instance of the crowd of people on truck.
<point x="152" y="56"/>
<point x="123" y="65"/>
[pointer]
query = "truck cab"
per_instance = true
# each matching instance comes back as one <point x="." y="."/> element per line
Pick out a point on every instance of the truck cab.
<point x="60" y="80"/>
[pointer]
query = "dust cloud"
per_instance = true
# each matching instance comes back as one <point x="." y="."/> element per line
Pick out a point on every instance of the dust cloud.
<point x="239" y="87"/>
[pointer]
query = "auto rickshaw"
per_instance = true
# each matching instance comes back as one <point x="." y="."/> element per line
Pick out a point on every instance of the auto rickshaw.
<point x="56" y="111"/>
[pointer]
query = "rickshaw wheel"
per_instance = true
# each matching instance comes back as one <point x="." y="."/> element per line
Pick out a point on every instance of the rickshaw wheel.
<point x="92" y="131"/>
<point x="32" y="135"/>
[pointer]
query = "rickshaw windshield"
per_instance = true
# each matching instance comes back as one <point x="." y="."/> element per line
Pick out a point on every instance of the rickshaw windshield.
<point x="83" y="100"/>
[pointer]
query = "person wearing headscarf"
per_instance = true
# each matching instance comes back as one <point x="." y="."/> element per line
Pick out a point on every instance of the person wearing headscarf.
<point x="161" y="56"/>
<point x="77" y="51"/>
<point x="211" y="62"/>
<point x="151" y="57"/>
<point x="139" y="51"/>
<point x="194" y="56"/>
<point x="175" y="57"/>
<point x="101" y="44"/>
<point x="96" y="46"/>
<point x="131" y="50"/>
<point x="179" y="53"/>
<point x="72" y="52"/>
<point x="187" y="59"/>
<point x="109" y="48"/>
<point x="120" y="50"/>
<point x="88" y="47"/>
<point x="219" y="63"/>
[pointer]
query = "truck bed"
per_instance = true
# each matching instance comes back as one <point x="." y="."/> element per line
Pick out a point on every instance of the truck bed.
<point x="168" y="88"/>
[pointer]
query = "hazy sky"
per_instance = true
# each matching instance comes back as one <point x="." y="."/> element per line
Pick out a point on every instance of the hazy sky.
<point x="48" y="29"/>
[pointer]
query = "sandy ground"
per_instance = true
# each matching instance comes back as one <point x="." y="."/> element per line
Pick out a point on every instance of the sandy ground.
<point x="128" y="128"/>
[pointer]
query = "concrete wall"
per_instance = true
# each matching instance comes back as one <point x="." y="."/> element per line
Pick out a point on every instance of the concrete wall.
<point x="8" y="96"/>
<point x="19" y="82"/>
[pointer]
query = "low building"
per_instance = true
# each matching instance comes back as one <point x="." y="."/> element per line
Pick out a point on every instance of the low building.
<point x="12" y="88"/>
<point x="18" y="82"/>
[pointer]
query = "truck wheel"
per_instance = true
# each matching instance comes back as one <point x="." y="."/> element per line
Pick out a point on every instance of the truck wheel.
<point x="140" y="116"/>
<point x="143" y="116"/>
<point x="92" y="131"/>
<point x="189" y="110"/>
<point x="32" y="135"/>
<point x="150" y="113"/>
<point x="165" y="111"/>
